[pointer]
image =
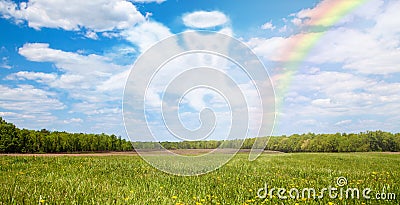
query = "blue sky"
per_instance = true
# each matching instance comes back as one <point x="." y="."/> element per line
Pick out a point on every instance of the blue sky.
<point x="63" y="64"/>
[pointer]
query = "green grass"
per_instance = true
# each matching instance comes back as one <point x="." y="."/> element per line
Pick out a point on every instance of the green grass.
<point x="130" y="180"/>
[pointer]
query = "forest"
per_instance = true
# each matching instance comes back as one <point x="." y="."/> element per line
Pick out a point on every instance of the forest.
<point x="15" y="140"/>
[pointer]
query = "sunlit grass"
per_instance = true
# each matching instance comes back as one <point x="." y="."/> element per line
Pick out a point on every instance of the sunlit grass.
<point x="130" y="180"/>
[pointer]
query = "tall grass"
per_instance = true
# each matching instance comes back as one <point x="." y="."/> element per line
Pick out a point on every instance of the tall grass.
<point x="129" y="180"/>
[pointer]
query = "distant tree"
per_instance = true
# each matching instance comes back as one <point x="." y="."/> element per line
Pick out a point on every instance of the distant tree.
<point x="9" y="141"/>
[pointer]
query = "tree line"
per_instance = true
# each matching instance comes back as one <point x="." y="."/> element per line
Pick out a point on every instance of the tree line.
<point x="15" y="140"/>
<point x="370" y="141"/>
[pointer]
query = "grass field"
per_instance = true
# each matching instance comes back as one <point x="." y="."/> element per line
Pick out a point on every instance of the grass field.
<point x="130" y="180"/>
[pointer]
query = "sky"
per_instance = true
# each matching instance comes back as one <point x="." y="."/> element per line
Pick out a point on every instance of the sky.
<point x="64" y="64"/>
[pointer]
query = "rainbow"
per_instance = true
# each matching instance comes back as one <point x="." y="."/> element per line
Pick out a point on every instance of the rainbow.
<point x="300" y="46"/>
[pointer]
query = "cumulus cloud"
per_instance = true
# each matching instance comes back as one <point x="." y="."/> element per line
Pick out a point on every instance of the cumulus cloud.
<point x="115" y="82"/>
<point x="354" y="93"/>
<point x="280" y="49"/>
<point x="358" y="50"/>
<point x="36" y="76"/>
<point x="324" y="15"/>
<point x="337" y="102"/>
<point x="98" y="16"/>
<point x="28" y="99"/>
<point x="92" y="83"/>
<point x="318" y="98"/>
<point x="361" y="48"/>
<point x="205" y="19"/>
<point x="92" y="64"/>
<point x="387" y="23"/>
<point x="91" y="78"/>
<point x="331" y="93"/>
<point x="91" y="35"/>
<point x="268" y="26"/>
<point x="146" y="34"/>
<point x="369" y="50"/>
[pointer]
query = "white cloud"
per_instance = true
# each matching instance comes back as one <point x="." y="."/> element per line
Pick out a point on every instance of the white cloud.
<point x="110" y="34"/>
<point x="69" y="62"/>
<point x="111" y="18"/>
<point x="279" y="48"/>
<point x="297" y="21"/>
<point x="343" y="122"/>
<point x="330" y="93"/>
<point x="90" y="81"/>
<point x="98" y="16"/>
<point x="325" y="103"/>
<point x="114" y="82"/>
<point x="91" y="35"/>
<point x="29" y="99"/>
<point x="387" y="24"/>
<point x="266" y="48"/>
<point x="371" y="49"/>
<point x="148" y="15"/>
<point x="73" y="120"/>
<point x="226" y="30"/>
<point x="358" y="50"/>
<point x="146" y="34"/>
<point x="85" y="78"/>
<point x="324" y="15"/>
<point x="115" y="18"/>
<point x="17" y="115"/>
<point x="366" y="10"/>
<point x="338" y="102"/>
<point x="317" y="97"/>
<point x="148" y="1"/>
<point x="283" y="29"/>
<point x="90" y="78"/>
<point x="4" y="63"/>
<point x="268" y="26"/>
<point x="36" y="76"/>
<point x="205" y="19"/>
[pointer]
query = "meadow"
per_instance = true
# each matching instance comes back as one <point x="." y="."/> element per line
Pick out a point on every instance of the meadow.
<point x="130" y="180"/>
